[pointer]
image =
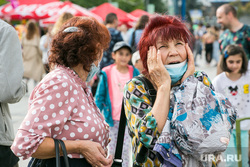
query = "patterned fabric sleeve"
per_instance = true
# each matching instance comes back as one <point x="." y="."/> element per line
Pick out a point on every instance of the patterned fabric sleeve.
<point x="141" y="122"/>
<point x="202" y="77"/>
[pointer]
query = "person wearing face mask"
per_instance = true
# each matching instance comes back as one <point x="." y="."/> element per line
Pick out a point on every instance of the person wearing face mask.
<point x="168" y="63"/>
<point x="62" y="107"/>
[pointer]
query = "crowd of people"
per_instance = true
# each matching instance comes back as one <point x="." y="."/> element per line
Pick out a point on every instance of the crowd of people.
<point x="84" y="70"/>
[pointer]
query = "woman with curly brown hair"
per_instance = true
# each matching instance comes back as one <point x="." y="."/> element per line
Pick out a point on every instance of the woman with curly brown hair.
<point x="62" y="106"/>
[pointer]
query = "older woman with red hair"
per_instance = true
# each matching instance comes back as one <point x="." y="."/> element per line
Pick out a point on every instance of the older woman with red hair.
<point x="168" y="61"/>
<point x="61" y="106"/>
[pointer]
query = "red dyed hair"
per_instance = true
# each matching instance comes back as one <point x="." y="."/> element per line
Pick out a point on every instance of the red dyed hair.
<point x="166" y="27"/>
<point x="81" y="47"/>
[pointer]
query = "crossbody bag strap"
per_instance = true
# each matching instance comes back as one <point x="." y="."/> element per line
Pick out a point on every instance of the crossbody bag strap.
<point x="57" y="153"/>
<point x="119" y="143"/>
<point x="149" y="87"/>
<point x="123" y="120"/>
<point x="66" y="160"/>
<point x="133" y="39"/>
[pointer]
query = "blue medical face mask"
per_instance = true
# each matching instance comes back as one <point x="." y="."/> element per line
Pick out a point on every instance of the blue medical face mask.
<point x="176" y="71"/>
<point x="92" y="72"/>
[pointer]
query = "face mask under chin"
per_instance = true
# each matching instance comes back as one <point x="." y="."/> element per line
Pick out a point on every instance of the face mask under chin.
<point x="93" y="70"/>
<point x="176" y="71"/>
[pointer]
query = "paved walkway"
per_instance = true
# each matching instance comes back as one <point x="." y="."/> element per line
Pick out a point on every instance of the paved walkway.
<point x="20" y="109"/>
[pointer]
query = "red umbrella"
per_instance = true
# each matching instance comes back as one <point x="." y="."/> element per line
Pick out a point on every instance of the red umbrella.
<point x="25" y="9"/>
<point x="61" y="7"/>
<point x="107" y="8"/>
<point x="42" y="11"/>
<point x="55" y="10"/>
<point x="138" y="13"/>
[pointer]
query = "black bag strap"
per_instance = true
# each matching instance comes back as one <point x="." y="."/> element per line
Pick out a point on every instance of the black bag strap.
<point x="66" y="160"/>
<point x="57" y="153"/>
<point x="149" y="87"/>
<point x="119" y="144"/>
<point x="133" y="39"/>
<point x="41" y="162"/>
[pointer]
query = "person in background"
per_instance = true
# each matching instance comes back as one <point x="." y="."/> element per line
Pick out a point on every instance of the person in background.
<point x="124" y="31"/>
<point x="12" y="89"/>
<point x="234" y="83"/>
<point x="61" y="106"/>
<point x="208" y="39"/>
<point x="32" y="55"/>
<point x="198" y="33"/>
<point x="62" y="19"/>
<point x="235" y="32"/>
<point x="111" y="23"/>
<point x="136" y="35"/>
<point x="137" y="62"/>
<point x="45" y="47"/>
<point x="216" y="45"/>
<point x="110" y="92"/>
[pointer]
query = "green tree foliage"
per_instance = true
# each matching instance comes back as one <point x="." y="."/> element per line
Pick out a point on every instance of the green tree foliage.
<point x="193" y="4"/>
<point x="242" y="9"/>
<point x="2" y="2"/>
<point x="126" y="5"/>
<point x="88" y="3"/>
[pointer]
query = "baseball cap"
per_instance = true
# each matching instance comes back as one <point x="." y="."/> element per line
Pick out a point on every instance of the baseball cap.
<point x="121" y="44"/>
<point x="135" y="57"/>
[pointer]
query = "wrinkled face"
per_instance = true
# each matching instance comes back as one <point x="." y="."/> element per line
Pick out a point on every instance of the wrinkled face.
<point x="222" y="18"/>
<point x="172" y="51"/>
<point x="122" y="57"/>
<point x="234" y="63"/>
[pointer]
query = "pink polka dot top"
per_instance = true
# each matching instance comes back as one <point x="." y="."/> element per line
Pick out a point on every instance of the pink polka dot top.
<point x="61" y="106"/>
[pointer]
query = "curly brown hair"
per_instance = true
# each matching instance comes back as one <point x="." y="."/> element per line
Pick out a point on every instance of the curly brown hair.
<point x="79" y="47"/>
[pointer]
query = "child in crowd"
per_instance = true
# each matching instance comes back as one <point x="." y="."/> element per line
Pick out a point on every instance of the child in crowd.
<point x="137" y="62"/>
<point x="234" y="84"/>
<point x="109" y="95"/>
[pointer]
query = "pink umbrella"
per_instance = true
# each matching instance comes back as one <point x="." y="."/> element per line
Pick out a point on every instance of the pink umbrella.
<point x="42" y="11"/>
<point x="54" y="11"/>
<point x="24" y="10"/>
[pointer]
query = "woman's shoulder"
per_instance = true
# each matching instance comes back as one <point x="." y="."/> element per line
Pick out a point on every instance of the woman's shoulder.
<point x="203" y="77"/>
<point x="137" y="80"/>
<point x="219" y="77"/>
<point x="137" y="84"/>
<point x="107" y="68"/>
<point x="57" y="79"/>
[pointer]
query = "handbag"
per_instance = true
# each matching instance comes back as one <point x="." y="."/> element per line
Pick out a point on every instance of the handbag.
<point x="166" y="157"/>
<point x="42" y="162"/>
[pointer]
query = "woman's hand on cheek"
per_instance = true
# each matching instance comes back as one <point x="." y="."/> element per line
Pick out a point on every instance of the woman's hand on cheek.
<point x="96" y="155"/>
<point x="157" y="72"/>
<point x="191" y="67"/>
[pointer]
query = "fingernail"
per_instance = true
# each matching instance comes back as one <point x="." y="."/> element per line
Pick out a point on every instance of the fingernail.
<point x="158" y="51"/>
